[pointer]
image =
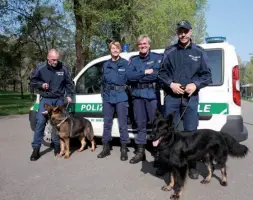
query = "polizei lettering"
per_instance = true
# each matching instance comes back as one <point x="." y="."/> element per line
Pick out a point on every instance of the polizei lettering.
<point x="92" y="107"/>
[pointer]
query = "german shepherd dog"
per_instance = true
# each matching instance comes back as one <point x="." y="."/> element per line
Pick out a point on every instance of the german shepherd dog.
<point x="178" y="148"/>
<point x="69" y="127"/>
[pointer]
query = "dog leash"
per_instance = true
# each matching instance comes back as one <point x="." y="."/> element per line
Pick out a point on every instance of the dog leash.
<point x="181" y="102"/>
<point x="183" y="111"/>
<point x="67" y="116"/>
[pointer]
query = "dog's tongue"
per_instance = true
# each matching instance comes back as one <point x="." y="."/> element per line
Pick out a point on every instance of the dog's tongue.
<point x="155" y="143"/>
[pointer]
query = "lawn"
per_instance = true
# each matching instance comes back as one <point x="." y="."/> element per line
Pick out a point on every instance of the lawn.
<point x="12" y="104"/>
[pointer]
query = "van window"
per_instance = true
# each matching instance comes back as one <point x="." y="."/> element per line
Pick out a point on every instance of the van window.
<point x="90" y="81"/>
<point x="216" y="66"/>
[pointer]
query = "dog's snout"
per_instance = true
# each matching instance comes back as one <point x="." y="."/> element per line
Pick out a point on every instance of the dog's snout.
<point x="152" y="136"/>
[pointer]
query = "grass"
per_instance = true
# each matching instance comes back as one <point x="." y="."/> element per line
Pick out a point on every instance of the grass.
<point x="12" y="104"/>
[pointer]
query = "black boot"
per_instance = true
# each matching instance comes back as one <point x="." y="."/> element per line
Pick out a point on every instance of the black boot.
<point x="35" y="154"/>
<point x="140" y="155"/>
<point x="193" y="172"/>
<point x="123" y="151"/>
<point x="106" y="151"/>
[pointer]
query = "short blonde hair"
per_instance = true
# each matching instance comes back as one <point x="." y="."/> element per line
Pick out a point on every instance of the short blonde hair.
<point x="141" y="37"/>
<point x="115" y="43"/>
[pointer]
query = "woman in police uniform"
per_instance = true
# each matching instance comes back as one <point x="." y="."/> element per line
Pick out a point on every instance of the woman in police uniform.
<point x="115" y="99"/>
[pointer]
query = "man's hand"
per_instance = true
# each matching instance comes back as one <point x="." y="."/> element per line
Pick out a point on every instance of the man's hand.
<point x="149" y="71"/>
<point x="69" y="100"/>
<point x="45" y="86"/>
<point x="176" y="88"/>
<point x="190" y="88"/>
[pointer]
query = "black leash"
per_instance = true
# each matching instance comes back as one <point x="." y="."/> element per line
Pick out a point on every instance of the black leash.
<point x="182" y="87"/>
<point x="183" y="111"/>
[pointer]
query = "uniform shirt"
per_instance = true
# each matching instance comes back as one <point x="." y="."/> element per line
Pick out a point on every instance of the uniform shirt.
<point x="58" y="79"/>
<point x="184" y="66"/>
<point x="114" y="74"/>
<point x="136" y="74"/>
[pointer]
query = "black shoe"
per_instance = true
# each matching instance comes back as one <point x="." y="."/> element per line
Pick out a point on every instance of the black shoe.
<point x="140" y="155"/>
<point x="123" y="150"/>
<point x="57" y="150"/>
<point x="35" y="154"/>
<point x="193" y="173"/>
<point x="106" y="151"/>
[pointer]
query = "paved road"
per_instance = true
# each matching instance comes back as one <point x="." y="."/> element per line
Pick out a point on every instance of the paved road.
<point x="84" y="176"/>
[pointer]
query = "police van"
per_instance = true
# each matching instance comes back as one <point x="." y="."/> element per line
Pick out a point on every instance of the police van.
<point x="219" y="103"/>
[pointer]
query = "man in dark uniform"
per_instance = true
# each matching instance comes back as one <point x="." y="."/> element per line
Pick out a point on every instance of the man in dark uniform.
<point x="142" y="74"/>
<point x="53" y="80"/>
<point x="184" y="71"/>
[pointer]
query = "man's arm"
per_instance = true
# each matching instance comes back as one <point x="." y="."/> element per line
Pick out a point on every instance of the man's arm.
<point x="132" y="73"/>
<point x="153" y="75"/>
<point x="165" y="72"/>
<point x="35" y="78"/>
<point x="204" y="76"/>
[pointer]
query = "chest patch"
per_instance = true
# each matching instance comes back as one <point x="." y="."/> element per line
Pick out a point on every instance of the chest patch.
<point x="195" y="58"/>
<point x="121" y="70"/>
<point x="150" y="62"/>
<point x="60" y="73"/>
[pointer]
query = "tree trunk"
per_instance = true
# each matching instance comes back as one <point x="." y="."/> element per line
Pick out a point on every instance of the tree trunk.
<point x="79" y="36"/>
<point x="86" y="52"/>
<point x="21" y="89"/>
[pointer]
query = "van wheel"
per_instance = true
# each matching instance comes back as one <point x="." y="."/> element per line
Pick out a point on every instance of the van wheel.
<point x="47" y="139"/>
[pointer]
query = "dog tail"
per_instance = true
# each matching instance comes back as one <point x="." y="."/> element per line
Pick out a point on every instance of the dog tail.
<point x="235" y="148"/>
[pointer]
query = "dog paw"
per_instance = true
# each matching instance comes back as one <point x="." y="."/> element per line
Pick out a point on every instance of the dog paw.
<point x="224" y="183"/>
<point x="79" y="150"/>
<point x="166" y="188"/>
<point x="175" y="197"/>
<point x="59" y="155"/>
<point x="92" y="150"/>
<point x="205" y="181"/>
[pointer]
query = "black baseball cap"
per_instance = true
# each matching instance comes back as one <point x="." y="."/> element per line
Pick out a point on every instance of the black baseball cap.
<point x="184" y="24"/>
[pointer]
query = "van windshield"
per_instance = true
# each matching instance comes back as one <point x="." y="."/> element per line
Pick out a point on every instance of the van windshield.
<point x="215" y="64"/>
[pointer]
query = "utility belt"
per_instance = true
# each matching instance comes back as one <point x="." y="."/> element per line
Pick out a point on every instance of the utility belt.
<point x="116" y="87"/>
<point x="143" y="85"/>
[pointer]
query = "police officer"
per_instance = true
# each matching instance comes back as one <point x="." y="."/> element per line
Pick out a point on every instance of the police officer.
<point x="184" y="71"/>
<point x="142" y="74"/>
<point x="115" y="98"/>
<point x="53" y="81"/>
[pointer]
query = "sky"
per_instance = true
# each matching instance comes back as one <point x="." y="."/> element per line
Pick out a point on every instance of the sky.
<point x="232" y="19"/>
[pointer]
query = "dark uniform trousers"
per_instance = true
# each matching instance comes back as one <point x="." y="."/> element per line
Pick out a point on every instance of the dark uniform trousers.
<point x="122" y="111"/>
<point x="178" y="104"/>
<point x="144" y="109"/>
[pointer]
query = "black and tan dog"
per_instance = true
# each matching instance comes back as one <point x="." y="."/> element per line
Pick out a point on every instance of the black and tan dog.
<point x="69" y="127"/>
<point x="178" y="148"/>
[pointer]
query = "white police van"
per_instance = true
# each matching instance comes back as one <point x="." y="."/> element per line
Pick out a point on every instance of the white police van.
<point x="219" y="103"/>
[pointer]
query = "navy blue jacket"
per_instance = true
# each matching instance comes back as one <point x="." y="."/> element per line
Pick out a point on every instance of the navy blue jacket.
<point x="136" y="74"/>
<point x="184" y="66"/>
<point x="58" y="79"/>
<point x="114" y="74"/>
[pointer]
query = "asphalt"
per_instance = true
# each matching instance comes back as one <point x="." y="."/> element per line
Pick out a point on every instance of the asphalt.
<point x="83" y="176"/>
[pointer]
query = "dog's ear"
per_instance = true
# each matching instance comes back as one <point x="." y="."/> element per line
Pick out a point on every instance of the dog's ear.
<point x="158" y="114"/>
<point x="171" y="118"/>
<point x="61" y="107"/>
<point x="48" y="107"/>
